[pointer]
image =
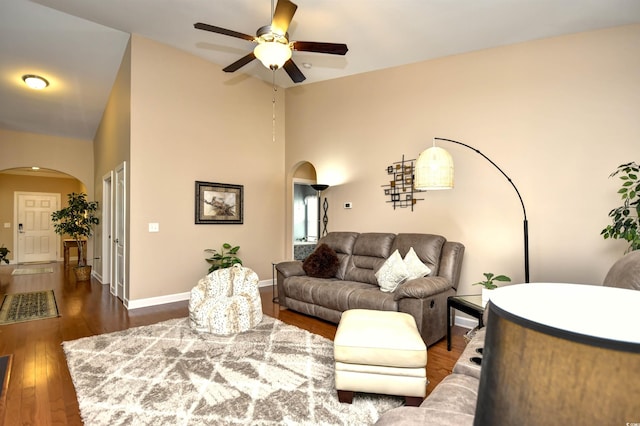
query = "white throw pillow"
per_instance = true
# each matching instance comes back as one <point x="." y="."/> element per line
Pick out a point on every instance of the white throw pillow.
<point x="415" y="266"/>
<point x="392" y="273"/>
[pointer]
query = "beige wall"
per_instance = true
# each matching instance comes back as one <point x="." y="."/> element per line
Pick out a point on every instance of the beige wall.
<point x="111" y="146"/>
<point x="558" y="115"/>
<point x="189" y="122"/>
<point x="71" y="156"/>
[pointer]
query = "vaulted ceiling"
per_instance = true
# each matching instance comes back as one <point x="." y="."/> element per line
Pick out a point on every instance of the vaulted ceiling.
<point x="78" y="44"/>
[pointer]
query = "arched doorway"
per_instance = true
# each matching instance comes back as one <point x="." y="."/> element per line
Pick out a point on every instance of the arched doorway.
<point x="27" y="198"/>
<point x="304" y="217"/>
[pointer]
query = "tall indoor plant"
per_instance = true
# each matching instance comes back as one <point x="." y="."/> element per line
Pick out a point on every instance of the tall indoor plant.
<point x="626" y="218"/>
<point x="77" y="221"/>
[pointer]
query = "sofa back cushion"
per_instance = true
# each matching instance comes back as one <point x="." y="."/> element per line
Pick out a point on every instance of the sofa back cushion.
<point x="428" y="247"/>
<point x="369" y="253"/>
<point x="342" y="243"/>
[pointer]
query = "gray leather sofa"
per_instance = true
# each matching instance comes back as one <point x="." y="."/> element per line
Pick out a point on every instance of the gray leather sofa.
<point x="355" y="285"/>
<point x="452" y="402"/>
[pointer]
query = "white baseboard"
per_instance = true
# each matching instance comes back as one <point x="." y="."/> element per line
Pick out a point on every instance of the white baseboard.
<point x="154" y="301"/>
<point x="179" y="297"/>
<point x="264" y="283"/>
<point x="465" y="322"/>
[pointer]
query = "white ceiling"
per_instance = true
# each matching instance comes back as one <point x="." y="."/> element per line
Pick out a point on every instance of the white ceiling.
<point x="78" y="44"/>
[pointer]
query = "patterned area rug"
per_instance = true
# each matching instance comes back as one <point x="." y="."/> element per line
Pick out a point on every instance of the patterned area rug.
<point x="21" y="307"/>
<point x="31" y="271"/>
<point x="167" y="374"/>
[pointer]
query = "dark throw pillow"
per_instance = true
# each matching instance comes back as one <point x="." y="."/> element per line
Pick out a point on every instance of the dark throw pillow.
<point x="322" y="263"/>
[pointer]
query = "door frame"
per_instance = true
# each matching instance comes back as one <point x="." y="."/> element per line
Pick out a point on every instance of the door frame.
<point x="120" y="265"/>
<point x="107" y="227"/>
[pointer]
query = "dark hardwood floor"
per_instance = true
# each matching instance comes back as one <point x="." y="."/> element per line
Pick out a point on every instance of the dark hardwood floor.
<point x="40" y="390"/>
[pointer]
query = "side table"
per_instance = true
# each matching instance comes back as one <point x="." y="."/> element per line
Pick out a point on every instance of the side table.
<point x="68" y="243"/>
<point x="274" y="287"/>
<point x="471" y="305"/>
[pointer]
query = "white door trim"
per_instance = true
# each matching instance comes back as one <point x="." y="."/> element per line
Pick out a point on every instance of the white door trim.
<point x="119" y="209"/>
<point x="107" y="227"/>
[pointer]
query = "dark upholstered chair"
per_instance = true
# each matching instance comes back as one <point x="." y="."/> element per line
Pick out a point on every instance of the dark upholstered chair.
<point x="625" y="273"/>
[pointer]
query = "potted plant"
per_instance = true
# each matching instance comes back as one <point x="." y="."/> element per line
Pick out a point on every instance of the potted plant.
<point x="4" y="252"/>
<point x="488" y="284"/>
<point x="225" y="258"/>
<point x="626" y="218"/>
<point x="77" y="221"/>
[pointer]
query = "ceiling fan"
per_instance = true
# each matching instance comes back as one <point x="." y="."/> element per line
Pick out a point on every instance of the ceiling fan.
<point x="274" y="48"/>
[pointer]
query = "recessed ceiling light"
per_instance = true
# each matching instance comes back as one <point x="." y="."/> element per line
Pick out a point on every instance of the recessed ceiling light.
<point x="35" y="168"/>
<point x="35" y="81"/>
<point x="306" y="65"/>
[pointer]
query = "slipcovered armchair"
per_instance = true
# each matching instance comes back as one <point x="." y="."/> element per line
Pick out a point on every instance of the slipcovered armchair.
<point x="226" y="301"/>
<point x="625" y="273"/>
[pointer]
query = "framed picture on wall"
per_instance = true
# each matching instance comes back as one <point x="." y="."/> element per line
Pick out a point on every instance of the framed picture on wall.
<point x="219" y="203"/>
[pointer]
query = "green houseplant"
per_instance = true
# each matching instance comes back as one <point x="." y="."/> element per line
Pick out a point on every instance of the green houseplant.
<point x="626" y="218"/>
<point x="488" y="284"/>
<point x="225" y="258"/>
<point x="77" y="221"/>
<point x="4" y="252"/>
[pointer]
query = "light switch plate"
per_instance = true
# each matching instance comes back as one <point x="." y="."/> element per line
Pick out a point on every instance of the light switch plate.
<point x="7" y="225"/>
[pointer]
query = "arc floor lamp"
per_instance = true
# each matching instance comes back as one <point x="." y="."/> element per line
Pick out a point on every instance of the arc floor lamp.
<point x="434" y="170"/>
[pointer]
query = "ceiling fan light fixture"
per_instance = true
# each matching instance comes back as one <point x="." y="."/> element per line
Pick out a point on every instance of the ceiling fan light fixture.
<point x="272" y="54"/>
<point x="35" y="81"/>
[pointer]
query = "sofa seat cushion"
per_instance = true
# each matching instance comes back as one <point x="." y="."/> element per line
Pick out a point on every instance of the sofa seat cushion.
<point x="455" y="393"/>
<point x="330" y="293"/>
<point x="452" y="403"/>
<point x="372" y="298"/>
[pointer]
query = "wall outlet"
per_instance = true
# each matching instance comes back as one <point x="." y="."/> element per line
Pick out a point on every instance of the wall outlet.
<point x="348" y="205"/>
<point x="154" y="227"/>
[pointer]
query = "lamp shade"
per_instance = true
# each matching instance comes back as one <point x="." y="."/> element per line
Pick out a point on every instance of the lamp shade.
<point x="272" y="54"/>
<point x="434" y="170"/>
<point x="559" y="354"/>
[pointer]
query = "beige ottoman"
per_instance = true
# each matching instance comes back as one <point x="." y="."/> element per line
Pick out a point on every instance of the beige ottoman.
<point x="380" y="352"/>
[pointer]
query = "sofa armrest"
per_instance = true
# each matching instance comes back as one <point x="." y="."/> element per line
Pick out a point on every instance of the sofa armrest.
<point x="290" y="269"/>
<point x="421" y="288"/>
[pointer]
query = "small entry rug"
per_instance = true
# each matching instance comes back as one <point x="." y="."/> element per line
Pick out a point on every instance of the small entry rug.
<point x="31" y="271"/>
<point x="167" y="374"/>
<point x="21" y="307"/>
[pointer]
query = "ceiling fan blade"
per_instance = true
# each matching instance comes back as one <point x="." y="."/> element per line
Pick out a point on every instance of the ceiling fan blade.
<point x="294" y="72"/>
<point x="282" y="16"/>
<point x="224" y="31"/>
<point x="239" y="63"/>
<point x="314" y="46"/>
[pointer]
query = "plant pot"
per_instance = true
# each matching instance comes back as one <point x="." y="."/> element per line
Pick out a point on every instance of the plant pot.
<point x="83" y="273"/>
<point x="486" y="294"/>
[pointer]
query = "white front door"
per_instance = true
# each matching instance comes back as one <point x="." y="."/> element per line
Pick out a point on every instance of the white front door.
<point x="120" y="224"/>
<point x="36" y="239"/>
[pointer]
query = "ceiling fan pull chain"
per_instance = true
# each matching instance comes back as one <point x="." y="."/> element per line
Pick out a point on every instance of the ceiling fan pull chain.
<point x="273" y="104"/>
